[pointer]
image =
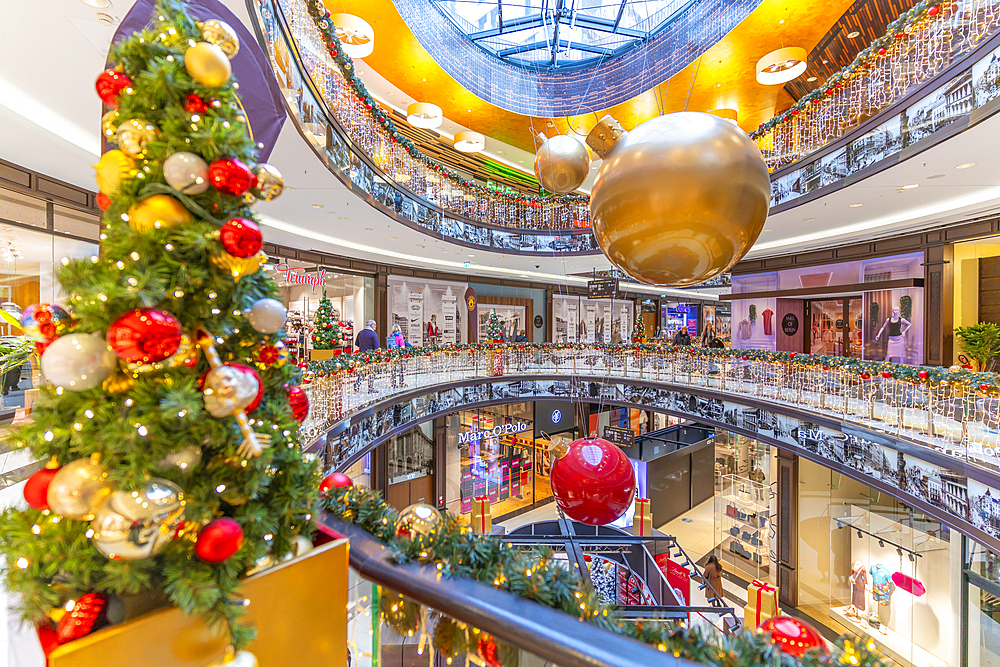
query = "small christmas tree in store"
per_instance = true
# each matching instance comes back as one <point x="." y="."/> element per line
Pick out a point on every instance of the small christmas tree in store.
<point x="494" y="329"/>
<point x="638" y="330"/>
<point x="173" y="461"/>
<point x="327" y="331"/>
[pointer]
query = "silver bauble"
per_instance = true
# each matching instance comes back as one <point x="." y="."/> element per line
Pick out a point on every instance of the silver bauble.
<point x="186" y="173"/>
<point x="183" y="459"/>
<point x="131" y="525"/>
<point x="78" y="489"/>
<point x="267" y="315"/>
<point x="78" y="362"/>
<point x="679" y="199"/>
<point x="562" y="164"/>
<point x="222" y="35"/>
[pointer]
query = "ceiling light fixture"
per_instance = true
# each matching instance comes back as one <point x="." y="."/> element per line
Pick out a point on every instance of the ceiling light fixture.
<point x="424" y="114"/>
<point x="853" y="34"/>
<point x="966" y="165"/>
<point x="726" y="114"/>
<point x="856" y="205"/>
<point x="356" y="35"/>
<point x="810" y="79"/>
<point x="317" y="206"/>
<point x="469" y="142"/>
<point x="933" y="176"/>
<point x="97" y="4"/>
<point x="911" y="186"/>
<point x="781" y="66"/>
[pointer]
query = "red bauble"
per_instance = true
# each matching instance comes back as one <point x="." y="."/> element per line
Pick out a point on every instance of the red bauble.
<point x="594" y="482"/>
<point x="793" y="636"/>
<point x="984" y="387"/>
<point x="88" y="614"/>
<point x="882" y="51"/>
<point x="145" y="335"/>
<point x="792" y="355"/>
<point x="103" y="201"/>
<point x="250" y="370"/>
<point x="886" y="374"/>
<point x="195" y="104"/>
<point x="231" y="176"/>
<point x="922" y="375"/>
<point x="745" y="357"/>
<point x="36" y="489"/>
<point x="865" y="376"/>
<point x="241" y="237"/>
<point x="335" y="480"/>
<point x="298" y="402"/>
<point x="934" y="11"/>
<point x="110" y="84"/>
<point x="219" y="540"/>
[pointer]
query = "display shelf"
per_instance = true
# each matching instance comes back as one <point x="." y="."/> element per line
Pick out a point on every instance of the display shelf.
<point x="901" y="649"/>
<point x="742" y="505"/>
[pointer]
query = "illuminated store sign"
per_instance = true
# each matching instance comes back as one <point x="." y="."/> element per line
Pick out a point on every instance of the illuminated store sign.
<point x="496" y="432"/>
<point x="294" y="278"/>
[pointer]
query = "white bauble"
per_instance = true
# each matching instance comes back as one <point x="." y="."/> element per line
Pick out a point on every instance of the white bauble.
<point x="78" y="361"/>
<point x="186" y="172"/>
<point x="267" y="316"/>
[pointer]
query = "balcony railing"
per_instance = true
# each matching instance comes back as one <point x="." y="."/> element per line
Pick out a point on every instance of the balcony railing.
<point x="343" y="133"/>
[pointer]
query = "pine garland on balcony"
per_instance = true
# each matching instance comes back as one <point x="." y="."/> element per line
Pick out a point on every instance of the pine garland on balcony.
<point x="457" y="552"/>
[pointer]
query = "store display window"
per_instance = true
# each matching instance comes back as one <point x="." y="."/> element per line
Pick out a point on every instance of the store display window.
<point x="871" y="566"/>
<point x="429" y="312"/>
<point x="582" y="320"/>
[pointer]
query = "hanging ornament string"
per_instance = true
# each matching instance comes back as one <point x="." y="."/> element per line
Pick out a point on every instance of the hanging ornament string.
<point x="694" y="75"/>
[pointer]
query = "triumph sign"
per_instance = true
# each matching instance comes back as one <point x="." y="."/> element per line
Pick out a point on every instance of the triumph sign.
<point x="496" y="432"/>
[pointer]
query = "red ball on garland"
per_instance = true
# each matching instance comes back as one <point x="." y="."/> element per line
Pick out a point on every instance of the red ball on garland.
<point x="335" y="480"/>
<point x="298" y="401"/>
<point x="865" y="376"/>
<point x="984" y="387"/>
<point x="792" y="355"/>
<point x="792" y="635"/>
<point x="110" y="83"/>
<point x="923" y="375"/>
<point x="241" y="237"/>
<point x="593" y="482"/>
<point x="231" y="176"/>
<point x="145" y="335"/>
<point x="89" y="613"/>
<point x="36" y="489"/>
<point x="886" y="374"/>
<point x="218" y="540"/>
<point x="745" y="357"/>
<point x="882" y="51"/>
<point x="195" y="104"/>
<point x="103" y="201"/>
<point x="934" y="11"/>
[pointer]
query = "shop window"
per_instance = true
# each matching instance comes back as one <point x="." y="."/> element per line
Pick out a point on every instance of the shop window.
<point x="982" y="576"/>
<point x="22" y="209"/>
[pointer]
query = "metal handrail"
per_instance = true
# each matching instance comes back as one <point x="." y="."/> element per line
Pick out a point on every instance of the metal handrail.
<point x="547" y="633"/>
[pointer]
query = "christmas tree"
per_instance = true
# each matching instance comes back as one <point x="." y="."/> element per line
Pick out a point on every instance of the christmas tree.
<point x="494" y="329"/>
<point x="174" y="463"/>
<point x="327" y="331"/>
<point x="638" y="330"/>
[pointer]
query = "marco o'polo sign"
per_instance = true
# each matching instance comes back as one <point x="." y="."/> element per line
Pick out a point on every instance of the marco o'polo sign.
<point x="496" y="432"/>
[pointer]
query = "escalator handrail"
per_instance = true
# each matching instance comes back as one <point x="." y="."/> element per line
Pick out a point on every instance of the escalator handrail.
<point x="547" y="633"/>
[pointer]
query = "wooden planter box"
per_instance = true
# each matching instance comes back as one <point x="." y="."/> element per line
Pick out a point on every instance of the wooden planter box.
<point x="298" y="607"/>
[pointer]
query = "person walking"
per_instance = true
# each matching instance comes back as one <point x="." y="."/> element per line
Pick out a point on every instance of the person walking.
<point x="682" y="337"/>
<point x="367" y="341"/>
<point x="713" y="573"/>
<point x="708" y="335"/>
<point x="396" y="344"/>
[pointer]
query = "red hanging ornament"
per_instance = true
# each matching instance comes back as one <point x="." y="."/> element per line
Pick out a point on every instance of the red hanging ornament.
<point x="145" y="335"/>
<point x="593" y="482"/>
<point x="793" y="636"/>
<point x="923" y="375"/>
<point x="487" y="649"/>
<point x="88" y="614"/>
<point x="335" y="480"/>
<point x="36" y="489"/>
<point x="298" y="401"/>
<point x="218" y="540"/>
<point x="241" y="237"/>
<point x="231" y="176"/>
<point x="195" y="104"/>
<point x="110" y="83"/>
<point x="103" y="201"/>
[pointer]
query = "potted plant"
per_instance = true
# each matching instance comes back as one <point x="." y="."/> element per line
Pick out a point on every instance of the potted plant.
<point x="982" y="343"/>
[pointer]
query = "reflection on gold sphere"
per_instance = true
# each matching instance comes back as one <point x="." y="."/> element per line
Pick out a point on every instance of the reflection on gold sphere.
<point x="680" y="199"/>
<point x="419" y="521"/>
<point x="222" y="35"/>
<point x="131" y="525"/>
<point x="562" y="164"/>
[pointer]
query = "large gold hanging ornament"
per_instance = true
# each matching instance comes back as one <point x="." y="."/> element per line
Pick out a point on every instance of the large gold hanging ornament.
<point x="111" y="169"/>
<point x="109" y="124"/>
<point x="419" y="521"/>
<point x="270" y="184"/>
<point x="78" y="489"/>
<point x="561" y="163"/>
<point x="207" y="64"/>
<point x="679" y="199"/>
<point x="131" y="525"/>
<point x="156" y="212"/>
<point x="134" y="136"/>
<point x="239" y="267"/>
<point x="222" y="35"/>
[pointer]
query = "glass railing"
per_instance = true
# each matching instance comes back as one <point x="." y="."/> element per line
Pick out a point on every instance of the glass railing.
<point x="917" y="54"/>
<point x="343" y="134"/>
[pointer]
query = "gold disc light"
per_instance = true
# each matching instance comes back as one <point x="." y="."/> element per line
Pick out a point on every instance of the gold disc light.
<point x="424" y="114"/>
<point x="469" y="142"/>
<point x="781" y="66"/>
<point x="726" y="114"/>
<point x="356" y="35"/>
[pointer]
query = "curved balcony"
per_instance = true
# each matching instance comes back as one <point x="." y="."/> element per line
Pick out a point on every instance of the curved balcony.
<point x="892" y="434"/>
<point x="934" y="78"/>
<point x="360" y="152"/>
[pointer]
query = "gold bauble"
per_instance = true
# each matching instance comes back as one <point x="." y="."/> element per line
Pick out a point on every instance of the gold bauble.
<point x="118" y="384"/>
<point x="79" y="488"/>
<point x="157" y="211"/>
<point x="207" y="64"/>
<point x="270" y="184"/>
<point x="557" y="450"/>
<point x="134" y="136"/>
<point x="679" y="199"/>
<point x="111" y="169"/>
<point x="237" y="266"/>
<point x="561" y="163"/>
<point x="222" y="35"/>
<point x="109" y="124"/>
<point x="131" y="525"/>
<point x="419" y="521"/>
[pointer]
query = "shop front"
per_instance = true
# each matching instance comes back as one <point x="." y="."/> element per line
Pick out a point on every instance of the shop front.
<point x="579" y="319"/>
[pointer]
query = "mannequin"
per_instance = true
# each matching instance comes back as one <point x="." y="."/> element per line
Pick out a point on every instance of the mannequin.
<point x="897" y="327"/>
<point x="859" y="584"/>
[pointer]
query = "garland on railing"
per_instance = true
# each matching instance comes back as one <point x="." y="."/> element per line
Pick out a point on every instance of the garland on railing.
<point x="457" y="552"/>
<point x="897" y="30"/>
<point x="987" y="383"/>
<point x="321" y="15"/>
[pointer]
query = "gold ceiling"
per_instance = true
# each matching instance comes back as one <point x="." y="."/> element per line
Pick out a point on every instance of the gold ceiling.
<point x="724" y="76"/>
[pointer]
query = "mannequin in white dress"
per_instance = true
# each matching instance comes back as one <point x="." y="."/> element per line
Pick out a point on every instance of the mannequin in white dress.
<point x="895" y="328"/>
